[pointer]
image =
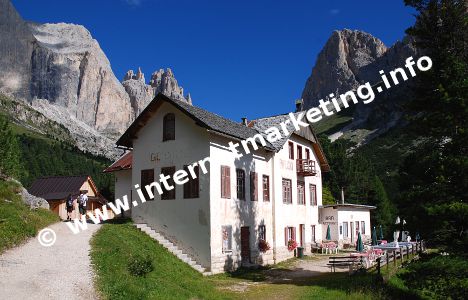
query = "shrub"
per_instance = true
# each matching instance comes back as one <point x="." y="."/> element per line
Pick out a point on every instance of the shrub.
<point x="438" y="277"/>
<point x="292" y="245"/>
<point x="263" y="246"/>
<point x="140" y="266"/>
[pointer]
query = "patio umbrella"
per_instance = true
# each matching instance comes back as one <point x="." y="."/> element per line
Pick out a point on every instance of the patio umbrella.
<point x="328" y="237"/>
<point x="374" y="237"/>
<point x="359" y="245"/>
<point x="381" y="232"/>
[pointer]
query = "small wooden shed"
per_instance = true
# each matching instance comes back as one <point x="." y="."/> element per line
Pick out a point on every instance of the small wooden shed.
<point x="55" y="190"/>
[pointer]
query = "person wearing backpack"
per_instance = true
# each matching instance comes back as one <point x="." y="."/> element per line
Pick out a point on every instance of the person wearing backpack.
<point x="82" y="202"/>
<point x="69" y="206"/>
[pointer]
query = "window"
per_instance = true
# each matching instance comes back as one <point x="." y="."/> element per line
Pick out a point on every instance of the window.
<point x="341" y="229"/>
<point x="240" y="179"/>
<point x="253" y="186"/>
<point x="168" y="194"/>
<point x="289" y="234"/>
<point x="307" y="154"/>
<point x="266" y="188"/>
<point x="357" y="228"/>
<point x="313" y="233"/>
<point x="192" y="186"/>
<point x="147" y="177"/>
<point x="299" y="152"/>
<point x="313" y="194"/>
<point x="363" y="227"/>
<point x="301" y="192"/>
<point x="262" y="232"/>
<point x="225" y="182"/>
<point x="169" y="127"/>
<point x="287" y="197"/>
<point x="227" y="238"/>
<point x="345" y="229"/>
<point x="291" y="150"/>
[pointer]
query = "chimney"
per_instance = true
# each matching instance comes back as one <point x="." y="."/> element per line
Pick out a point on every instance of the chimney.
<point x="299" y="103"/>
<point x="342" y="196"/>
<point x="244" y="121"/>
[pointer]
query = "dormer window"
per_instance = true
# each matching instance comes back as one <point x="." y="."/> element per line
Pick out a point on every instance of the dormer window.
<point x="169" y="127"/>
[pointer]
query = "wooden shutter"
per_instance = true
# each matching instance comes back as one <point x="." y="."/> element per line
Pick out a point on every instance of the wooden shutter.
<point x="253" y="186"/>
<point x="168" y="195"/>
<point x="225" y="182"/>
<point x="291" y="150"/>
<point x="228" y="182"/>
<point x="286" y="236"/>
<point x="192" y="186"/>
<point x="147" y="177"/>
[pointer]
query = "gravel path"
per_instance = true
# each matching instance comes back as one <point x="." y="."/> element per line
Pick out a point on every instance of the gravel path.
<point x="62" y="271"/>
<point x="302" y="269"/>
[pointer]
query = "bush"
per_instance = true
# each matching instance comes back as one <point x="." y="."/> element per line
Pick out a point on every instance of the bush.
<point x="140" y="266"/>
<point x="438" y="277"/>
<point x="263" y="246"/>
<point x="292" y="244"/>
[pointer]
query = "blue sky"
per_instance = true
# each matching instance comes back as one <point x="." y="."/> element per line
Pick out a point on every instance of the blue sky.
<point x="236" y="58"/>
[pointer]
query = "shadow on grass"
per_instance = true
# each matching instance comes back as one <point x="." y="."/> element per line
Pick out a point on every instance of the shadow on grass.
<point x="361" y="283"/>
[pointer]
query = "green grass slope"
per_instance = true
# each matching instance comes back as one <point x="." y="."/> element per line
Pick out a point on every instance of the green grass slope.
<point x="17" y="221"/>
<point x="116" y="245"/>
<point x="115" y="248"/>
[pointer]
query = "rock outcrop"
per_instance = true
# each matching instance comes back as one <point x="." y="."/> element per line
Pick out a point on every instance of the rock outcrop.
<point x="161" y="82"/>
<point x="69" y="69"/>
<point x="62" y="72"/>
<point x="349" y="59"/>
<point x="16" y="45"/>
<point x="339" y="64"/>
<point x="32" y="201"/>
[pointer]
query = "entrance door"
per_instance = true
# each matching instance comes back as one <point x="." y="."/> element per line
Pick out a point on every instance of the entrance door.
<point x="352" y="231"/>
<point x="245" y="244"/>
<point x="302" y="234"/>
<point x="299" y="152"/>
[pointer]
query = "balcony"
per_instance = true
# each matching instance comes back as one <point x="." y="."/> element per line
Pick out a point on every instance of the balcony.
<point x="305" y="167"/>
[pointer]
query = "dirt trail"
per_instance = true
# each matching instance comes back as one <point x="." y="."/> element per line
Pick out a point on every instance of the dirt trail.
<point x="62" y="271"/>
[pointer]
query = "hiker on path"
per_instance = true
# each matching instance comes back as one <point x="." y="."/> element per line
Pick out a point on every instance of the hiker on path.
<point x="82" y="201"/>
<point x="69" y="206"/>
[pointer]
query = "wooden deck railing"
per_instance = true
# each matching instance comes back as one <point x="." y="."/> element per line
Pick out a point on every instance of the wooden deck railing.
<point x="305" y="167"/>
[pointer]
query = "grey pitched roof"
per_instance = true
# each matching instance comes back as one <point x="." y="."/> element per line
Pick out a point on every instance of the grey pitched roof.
<point x="306" y="132"/>
<point x="202" y="117"/>
<point x="264" y="123"/>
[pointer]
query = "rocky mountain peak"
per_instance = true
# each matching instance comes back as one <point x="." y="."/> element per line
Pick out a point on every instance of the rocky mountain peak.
<point x="348" y="59"/>
<point x="131" y="75"/>
<point x="162" y="81"/>
<point x="339" y="63"/>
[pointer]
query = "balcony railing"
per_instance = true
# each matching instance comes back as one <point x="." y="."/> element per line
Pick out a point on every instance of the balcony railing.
<point x="305" y="167"/>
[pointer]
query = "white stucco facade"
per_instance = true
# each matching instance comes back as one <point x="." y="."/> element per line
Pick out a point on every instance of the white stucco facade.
<point x="356" y="217"/>
<point x="221" y="231"/>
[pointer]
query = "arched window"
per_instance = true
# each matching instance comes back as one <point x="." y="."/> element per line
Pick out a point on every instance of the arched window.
<point x="169" y="127"/>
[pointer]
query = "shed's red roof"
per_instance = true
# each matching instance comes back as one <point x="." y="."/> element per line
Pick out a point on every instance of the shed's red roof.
<point x="123" y="163"/>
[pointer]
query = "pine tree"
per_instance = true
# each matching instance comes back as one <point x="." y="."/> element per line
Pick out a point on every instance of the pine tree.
<point x="434" y="180"/>
<point x="9" y="150"/>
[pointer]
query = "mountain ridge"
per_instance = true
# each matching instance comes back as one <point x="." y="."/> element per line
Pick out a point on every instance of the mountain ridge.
<point x="349" y="59"/>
